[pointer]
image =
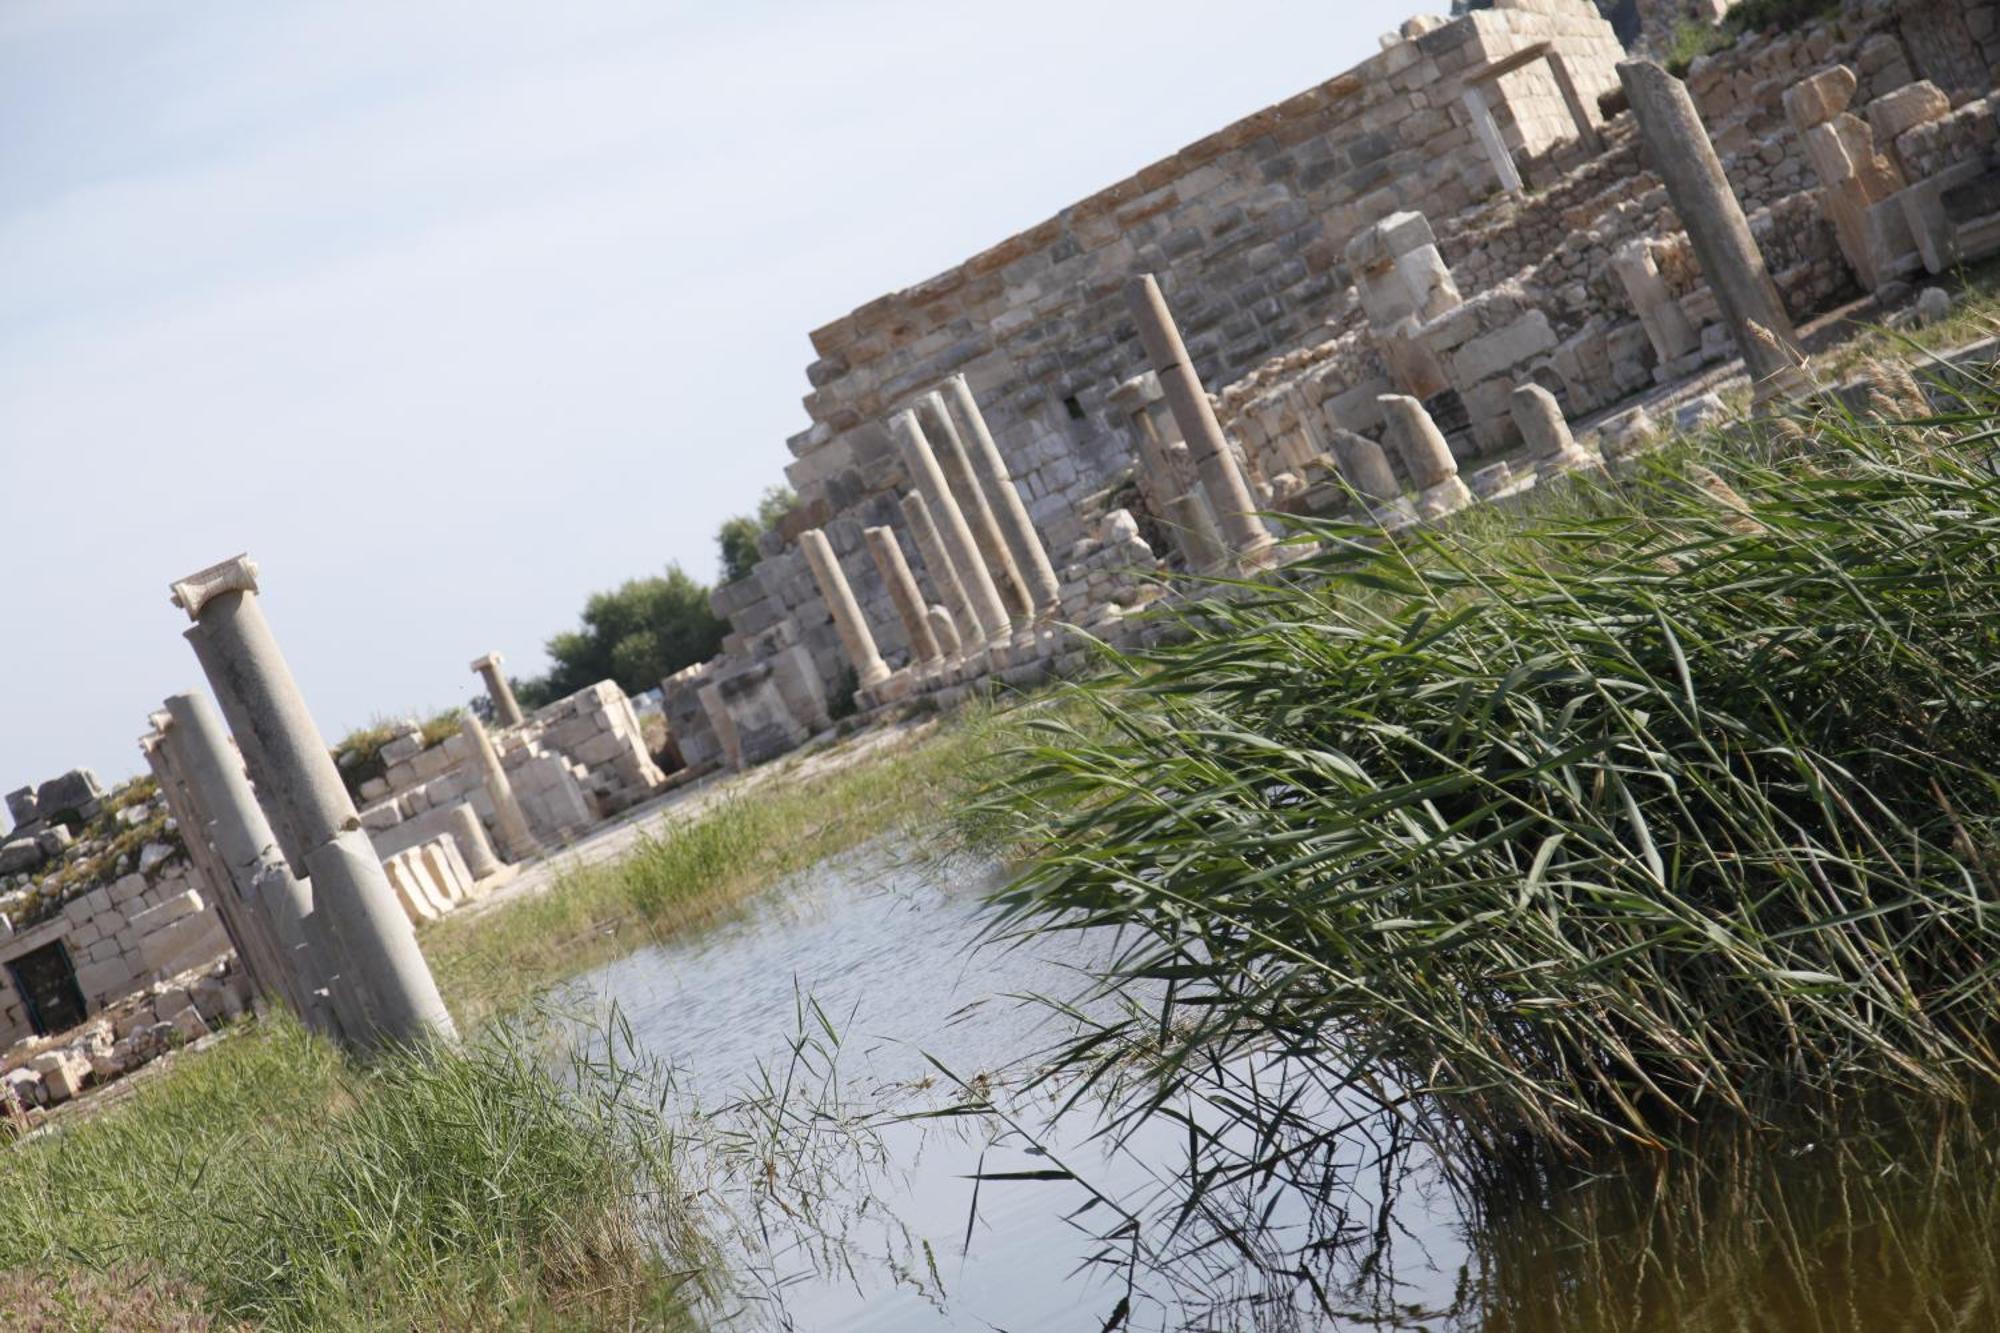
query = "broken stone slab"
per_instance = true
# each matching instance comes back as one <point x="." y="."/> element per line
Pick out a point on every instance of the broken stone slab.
<point x="21" y="806"/>
<point x="20" y="854"/>
<point x="1542" y="425"/>
<point x="77" y="792"/>
<point x="1907" y="107"/>
<point x="1816" y="100"/>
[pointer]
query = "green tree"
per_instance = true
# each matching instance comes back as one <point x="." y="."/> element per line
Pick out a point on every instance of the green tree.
<point x="645" y="629"/>
<point x="736" y="539"/>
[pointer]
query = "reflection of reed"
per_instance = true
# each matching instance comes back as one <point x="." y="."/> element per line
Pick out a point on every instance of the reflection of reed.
<point x="1860" y="1234"/>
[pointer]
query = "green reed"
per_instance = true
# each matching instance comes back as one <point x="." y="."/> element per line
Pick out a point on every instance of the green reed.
<point x="1659" y="801"/>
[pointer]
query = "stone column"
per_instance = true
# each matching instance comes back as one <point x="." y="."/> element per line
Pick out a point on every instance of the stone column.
<point x="1031" y="557"/>
<point x="944" y="630"/>
<point x="516" y="842"/>
<point x="1586" y="129"/>
<point x="1666" y="324"/>
<point x="1228" y="495"/>
<point x="295" y="774"/>
<point x="249" y="934"/>
<point x="944" y="575"/>
<point x="953" y="457"/>
<point x="1540" y="420"/>
<point x="1489" y="138"/>
<point x="987" y="614"/>
<point x="869" y="668"/>
<point x="240" y="832"/>
<point x="1678" y="148"/>
<point x="506" y="711"/>
<point x="887" y="553"/>
<point x="1427" y="456"/>
<point x="1166" y="474"/>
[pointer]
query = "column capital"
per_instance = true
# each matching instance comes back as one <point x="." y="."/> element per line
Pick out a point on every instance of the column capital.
<point x="236" y="574"/>
<point x="490" y="662"/>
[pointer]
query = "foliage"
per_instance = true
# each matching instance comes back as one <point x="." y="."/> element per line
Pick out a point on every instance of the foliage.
<point x="105" y="848"/>
<point x="1689" y="41"/>
<point x="358" y="754"/>
<point x="736" y="539"/>
<point x="487" y="1185"/>
<point x="1677" y="805"/>
<point x="636" y="635"/>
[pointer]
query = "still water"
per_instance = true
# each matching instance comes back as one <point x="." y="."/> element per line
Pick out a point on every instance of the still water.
<point x="810" y="1031"/>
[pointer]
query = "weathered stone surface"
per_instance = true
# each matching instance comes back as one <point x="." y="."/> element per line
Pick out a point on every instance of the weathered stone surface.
<point x="1906" y="108"/>
<point x="1679" y="149"/>
<point x="20" y="854"/>
<point x="1816" y="100"/>
<point x="75" y="793"/>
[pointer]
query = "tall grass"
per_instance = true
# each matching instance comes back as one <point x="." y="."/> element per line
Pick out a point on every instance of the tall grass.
<point x="1676" y="805"/>
<point x="486" y="1186"/>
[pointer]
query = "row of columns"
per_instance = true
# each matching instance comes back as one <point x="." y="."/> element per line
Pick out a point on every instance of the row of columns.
<point x="989" y="566"/>
<point x="972" y="531"/>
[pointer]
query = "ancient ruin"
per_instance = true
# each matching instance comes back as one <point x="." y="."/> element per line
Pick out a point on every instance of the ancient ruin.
<point x="1492" y="253"/>
<point x="1505" y="249"/>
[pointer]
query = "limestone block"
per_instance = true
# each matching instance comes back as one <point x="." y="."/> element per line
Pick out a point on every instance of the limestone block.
<point x="107" y="982"/>
<point x="20" y="854"/>
<point x="381" y="816"/>
<point x="77" y="792"/>
<point x="1816" y="100"/>
<point x="1906" y="108"/>
<point x="1495" y="353"/>
<point x="175" y="908"/>
<point x="62" y="1073"/>
<point x="190" y="941"/>
<point x="403" y="747"/>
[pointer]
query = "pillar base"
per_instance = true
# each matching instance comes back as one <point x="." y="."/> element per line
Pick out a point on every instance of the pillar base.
<point x="1447" y="497"/>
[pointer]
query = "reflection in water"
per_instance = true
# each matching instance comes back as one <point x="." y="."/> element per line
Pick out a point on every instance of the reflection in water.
<point x="863" y="1073"/>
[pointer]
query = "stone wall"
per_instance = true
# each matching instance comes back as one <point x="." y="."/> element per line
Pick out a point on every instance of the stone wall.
<point x="1246" y="230"/>
<point x="121" y="937"/>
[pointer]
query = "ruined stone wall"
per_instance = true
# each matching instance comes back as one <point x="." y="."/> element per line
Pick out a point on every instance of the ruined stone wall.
<point x="1245" y="228"/>
<point x="571" y="764"/>
<point x="120" y="937"/>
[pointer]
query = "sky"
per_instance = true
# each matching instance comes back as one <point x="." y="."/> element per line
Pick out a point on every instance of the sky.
<point x="451" y="314"/>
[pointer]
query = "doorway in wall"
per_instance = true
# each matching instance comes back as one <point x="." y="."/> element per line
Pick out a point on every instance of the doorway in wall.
<point x="46" y="980"/>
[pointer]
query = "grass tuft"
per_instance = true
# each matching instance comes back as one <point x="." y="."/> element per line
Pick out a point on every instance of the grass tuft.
<point x="491" y="1185"/>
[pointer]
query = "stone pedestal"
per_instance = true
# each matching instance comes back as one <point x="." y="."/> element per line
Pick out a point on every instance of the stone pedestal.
<point x="1433" y="470"/>
<point x="506" y="712"/>
<point x="887" y="553"/>
<point x="984" y="609"/>
<point x="1666" y="324"/>
<point x="1228" y="493"/>
<point x="1031" y="557"/>
<point x="509" y="824"/>
<point x="1550" y="443"/>
<point x="1366" y="468"/>
<point x="295" y="776"/>
<point x="1678" y="148"/>
<point x="855" y="636"/>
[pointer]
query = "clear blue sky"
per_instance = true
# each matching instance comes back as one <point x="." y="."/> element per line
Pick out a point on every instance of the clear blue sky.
<point x="451" y="313"/>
